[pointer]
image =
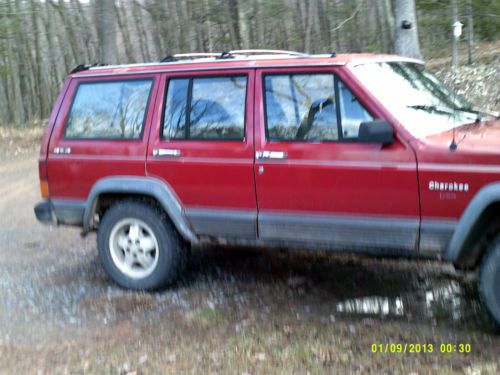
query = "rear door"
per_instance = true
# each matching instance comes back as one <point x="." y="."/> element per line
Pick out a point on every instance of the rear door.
<point x="315" y="182"/>
<point x="202" y="147"/>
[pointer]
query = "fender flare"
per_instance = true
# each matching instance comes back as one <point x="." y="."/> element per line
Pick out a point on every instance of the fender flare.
<point x="148" y="186"/>
<point x="458" y="252"/>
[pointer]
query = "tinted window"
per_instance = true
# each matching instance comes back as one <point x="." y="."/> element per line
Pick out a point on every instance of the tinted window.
<point x="351" y="112"/>
<point x="301" y="107"/>
<point x="215" y="108"/>
<point x="109" y="110"/>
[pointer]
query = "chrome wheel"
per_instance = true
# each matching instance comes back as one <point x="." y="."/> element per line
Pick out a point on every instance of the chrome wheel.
<point x="134" y="248"/>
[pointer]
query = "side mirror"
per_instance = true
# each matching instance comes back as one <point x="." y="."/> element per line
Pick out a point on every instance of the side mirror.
<point x="376" y="131"/>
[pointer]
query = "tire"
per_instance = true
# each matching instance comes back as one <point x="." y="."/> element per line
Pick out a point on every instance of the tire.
<point x="138" y="247"/>
<point x="489" y="281"/>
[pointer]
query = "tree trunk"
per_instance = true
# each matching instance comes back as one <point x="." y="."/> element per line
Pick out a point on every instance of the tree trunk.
<point x="15" y="95"/>
<point x="406" y="36"/>
<point x="208" y="26"/>
<point x="84" y="33"/>
<point x="470" y="33"/>
<point x="106" y="31"/>
<point x="125" y="36"/>
<point x="40" y="84"/>
<point x="454" y="41"/>
<point x="140" y="32"/>
<point x="390" y="22"/>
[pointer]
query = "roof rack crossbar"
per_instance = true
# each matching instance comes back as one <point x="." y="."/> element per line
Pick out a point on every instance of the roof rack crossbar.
<point x="195" y="55"/>
<point x="188" y="56"/>
<point x="266" y="51"/>
<point x="229" y="54"/>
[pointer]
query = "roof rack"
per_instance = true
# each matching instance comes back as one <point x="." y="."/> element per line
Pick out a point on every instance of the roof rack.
<point x="230" y="54"/>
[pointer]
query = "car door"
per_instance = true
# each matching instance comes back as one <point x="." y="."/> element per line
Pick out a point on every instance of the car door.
<point x="315" y="182"/>
<point x="202" y="147"/>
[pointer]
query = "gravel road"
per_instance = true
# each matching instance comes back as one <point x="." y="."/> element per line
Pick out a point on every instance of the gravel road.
<point x="236" y="311"/>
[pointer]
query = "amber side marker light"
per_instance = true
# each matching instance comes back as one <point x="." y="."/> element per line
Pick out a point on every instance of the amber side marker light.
<point x="44" y="189"/>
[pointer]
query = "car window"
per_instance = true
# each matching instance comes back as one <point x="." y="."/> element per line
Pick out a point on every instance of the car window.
<point x="352" y="112"/>
<point x="301" y="107"/>
<point x="205" y="108"/>
<point x="108" y="110"/>
<point x="174" y="122"/>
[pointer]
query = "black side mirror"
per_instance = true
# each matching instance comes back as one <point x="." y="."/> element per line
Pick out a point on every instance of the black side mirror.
<point x="376" y="131"/>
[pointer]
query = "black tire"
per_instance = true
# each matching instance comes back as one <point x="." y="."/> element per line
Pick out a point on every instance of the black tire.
<point x="171" y="254"/>
<point x="489" y="281"/>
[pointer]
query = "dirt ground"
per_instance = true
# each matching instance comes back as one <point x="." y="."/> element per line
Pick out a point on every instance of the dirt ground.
<point x="235" y="311"/>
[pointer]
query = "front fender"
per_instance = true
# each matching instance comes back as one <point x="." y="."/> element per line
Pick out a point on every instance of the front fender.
<point x="461" y="251"/>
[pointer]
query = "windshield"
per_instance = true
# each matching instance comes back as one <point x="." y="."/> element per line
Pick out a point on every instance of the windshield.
<point x="418" y="100"/>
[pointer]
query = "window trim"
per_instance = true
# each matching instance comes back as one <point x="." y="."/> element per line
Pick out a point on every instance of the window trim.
<point x="187" y="131"/>
<point x="336" y="80"/>
<point x="99" y="81"/>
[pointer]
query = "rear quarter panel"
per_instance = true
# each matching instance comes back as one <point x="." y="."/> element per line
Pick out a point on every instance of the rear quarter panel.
<point x="72" y="176"/>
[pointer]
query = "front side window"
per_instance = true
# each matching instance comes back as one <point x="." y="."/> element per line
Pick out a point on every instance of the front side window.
<point x="209" y="108"/>
<point x="422" y="103"/>
<point x="311" y="107"/>
<point x="301" y="107"/>
<point x="108" y="110"/>
<point x="352" y="112"/>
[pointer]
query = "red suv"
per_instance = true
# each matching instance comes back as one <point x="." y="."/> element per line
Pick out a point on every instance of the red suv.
<point x="362" y="153"/>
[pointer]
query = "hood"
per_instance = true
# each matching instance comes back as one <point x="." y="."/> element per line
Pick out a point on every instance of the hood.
<point x="481" y="136"/>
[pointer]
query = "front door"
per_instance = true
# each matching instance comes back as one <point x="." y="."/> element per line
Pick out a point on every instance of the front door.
<point x="202" y="147"/>
<point x="315" y="182"/>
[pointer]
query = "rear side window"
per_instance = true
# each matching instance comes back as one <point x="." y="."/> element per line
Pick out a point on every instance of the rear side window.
<point x="109" y="110"/>
<point x="211" y="108"/>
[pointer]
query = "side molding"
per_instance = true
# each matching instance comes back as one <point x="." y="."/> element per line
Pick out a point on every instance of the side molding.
<point x="341" y="231"/>
<point x="223" y="223"/>
<point x="141" y="186"/>
<point x="458" y="252"/>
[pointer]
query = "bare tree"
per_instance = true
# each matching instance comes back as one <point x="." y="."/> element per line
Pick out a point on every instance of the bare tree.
<point x="470" y="32"/>
<point x="106" y="31"/>
<point x="406" y="36"/>
<point x="454" y="41"/>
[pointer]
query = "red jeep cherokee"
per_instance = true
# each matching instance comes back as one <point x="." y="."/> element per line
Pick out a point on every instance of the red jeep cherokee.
<point x="364" y="153"/>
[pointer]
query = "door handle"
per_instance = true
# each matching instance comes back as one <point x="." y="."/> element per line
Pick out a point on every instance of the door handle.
<point x="166" y="152"/>
<point x="271" y="155"/>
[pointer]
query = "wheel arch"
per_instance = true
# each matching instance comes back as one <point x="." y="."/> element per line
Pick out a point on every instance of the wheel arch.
<point x="133" y="186"/>
<point x="480" y="219"/>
